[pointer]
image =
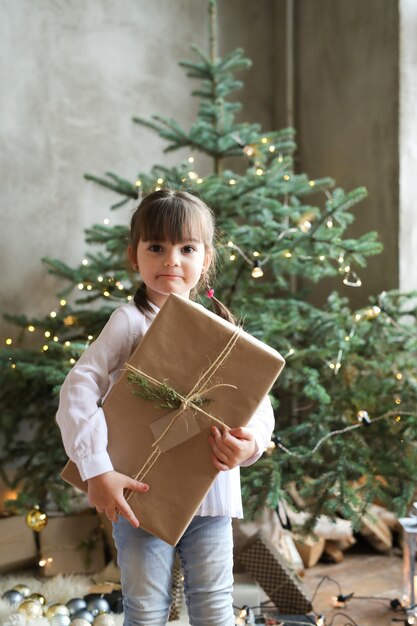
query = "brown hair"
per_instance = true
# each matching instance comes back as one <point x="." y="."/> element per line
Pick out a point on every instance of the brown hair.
<point x="177" y="216"/>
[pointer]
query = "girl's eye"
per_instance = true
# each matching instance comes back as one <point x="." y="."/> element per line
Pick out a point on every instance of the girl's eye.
<point x="188" y="249"/>
<point x="155" y="247"/>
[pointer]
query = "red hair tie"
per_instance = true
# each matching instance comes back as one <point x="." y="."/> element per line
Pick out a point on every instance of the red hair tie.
<point x="210" y="292"/>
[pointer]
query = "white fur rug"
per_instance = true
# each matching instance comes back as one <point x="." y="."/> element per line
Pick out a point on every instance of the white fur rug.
<point x="58" y="589"/>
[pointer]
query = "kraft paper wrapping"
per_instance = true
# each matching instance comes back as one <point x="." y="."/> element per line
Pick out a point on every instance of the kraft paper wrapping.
<point x="184" y="341"/>
<point x="17" y="544"/>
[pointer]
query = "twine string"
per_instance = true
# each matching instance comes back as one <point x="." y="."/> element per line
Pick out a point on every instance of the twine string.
<point x="187" y="402"/>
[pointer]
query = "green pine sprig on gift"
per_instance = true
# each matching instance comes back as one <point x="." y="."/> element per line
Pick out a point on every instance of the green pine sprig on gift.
<point x="164" y="396"/>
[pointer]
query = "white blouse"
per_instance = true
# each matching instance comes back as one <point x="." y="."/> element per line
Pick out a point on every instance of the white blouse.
<point x="83" y="425"/>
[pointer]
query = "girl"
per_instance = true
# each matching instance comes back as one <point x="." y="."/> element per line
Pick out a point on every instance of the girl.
<point x="171" y="247"/>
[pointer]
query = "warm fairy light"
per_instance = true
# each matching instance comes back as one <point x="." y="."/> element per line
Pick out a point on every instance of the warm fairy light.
<point x="232" y="257"/>
<point x="45" y="348"/>
<point x="119" y="285"/>
<point x="329" y="223"/>
<point x="106" y="221"/>
<point x="90" y="337"/>
<point x="230" y="244"/>
<point x="67" y="344"/>
<point x="44" y="562"/>
<point x="31" y="329"/>
<point x="257" y="270"/>
<point x="280" y="158"/>
<point x="85" y="261"/>
<point x="347" y="338"/>
<point x="271" y="148"/>
<point x="13" y="366"/>
<point x="305" y="225"/>
<point x="100" y="279"/>
<point x="259" y="171"/>
<point x="138" y="183"/>
<point x="358" y="317"/>
<point x="158" y="188"/>
<point x="397" y="400"/>
<point x="341" y="258"/>
<point x="106" y="293"/>
<point x="52" y="314"/>
<point x="56" y="339"/>
<point x="190" y="159"/>
<point x="129" y="298"/>
<point x="248" y="150"/>
<point x="232" y="181"/>
<point x="256" y="253"/>
<point x="80" y="286"/>
<point x="160" y="181"/>
<point x="286" y="177"/>
<point x="89" y="287"/>
<point x="9" y="342"/>
<point x="264" y="140"/>
<point x="62" y="302"/>
<point x="183" y="180"/>
<point x="346" y="268"/>
<point x="399" y="376"/>
<point x="288" y="254"/>
<point x="72" y="361"/>
<point x="312" y="183"/>
<point x="322" y="257"/>
<point x="192" y="175"/>
<point x="199" y="181"/>
<point x="289" y="353"/>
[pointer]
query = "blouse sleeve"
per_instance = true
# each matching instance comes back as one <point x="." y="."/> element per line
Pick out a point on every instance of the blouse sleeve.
<point x="262" y="423"/>
<point x="80" y="416"/>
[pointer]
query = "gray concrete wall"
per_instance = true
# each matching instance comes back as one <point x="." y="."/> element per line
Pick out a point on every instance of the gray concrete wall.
<point x="73" y="73"/>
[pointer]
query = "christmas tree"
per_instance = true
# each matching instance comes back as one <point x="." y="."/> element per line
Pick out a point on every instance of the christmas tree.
<point x="345" y="427"/>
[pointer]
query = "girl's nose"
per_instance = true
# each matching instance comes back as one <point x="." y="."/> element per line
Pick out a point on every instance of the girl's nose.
<point x="171" y="258"/>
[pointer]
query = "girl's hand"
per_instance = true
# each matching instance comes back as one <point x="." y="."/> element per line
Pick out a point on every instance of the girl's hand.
<point x="231" y="447"/>
<point x="106" y="494"/>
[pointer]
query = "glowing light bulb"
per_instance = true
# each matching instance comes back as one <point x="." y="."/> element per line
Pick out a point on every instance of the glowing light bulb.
<point x="80" y="286"/>
<point x="62" y="302"/>
<point x="257" y="270"/>
<point x="106" y="294"/>
<point x="230" y="244"/>
<point x="31" y="329"/>
<point x="256" y="253"/>
<point x="138" y="183"/>
<point x="232" y="181"/>
<point x="312" y="183"/>
<point x="190" y="159"/>
<point x="271" y="148"/>
<point x="106" y="221"/>
<point x="67" y="344"/>
<point x="85" y="261"/>
<point x="160" y="181"/>
<point x="286" y="177"/>
<point x="9" y="342"/>
<point x="259" y="171"/>
<point x="232" y="257"/>
<point x="100" y="279"/>
<point x="264" y="140"/>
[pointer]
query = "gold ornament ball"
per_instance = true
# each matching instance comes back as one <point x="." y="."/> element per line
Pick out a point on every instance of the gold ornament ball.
<point x="104" y="620"/>
<point x="80" y="621"/>
<point x="31" y="608"/>
<point x="38" y="597"/>
<point x="56" y="609"/>
<point x="36" y="519"/>
<point x="23" y="589"/>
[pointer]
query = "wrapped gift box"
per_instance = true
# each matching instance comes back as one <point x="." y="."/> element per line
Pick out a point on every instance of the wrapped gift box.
<point x="183" y="344"/>
<point x="17" y="544"/>
<point x="268" y="567"/>
<point x="71" y="544"/>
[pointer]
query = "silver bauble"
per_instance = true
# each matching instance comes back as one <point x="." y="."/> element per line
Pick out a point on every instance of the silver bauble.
<point x="13" y="597"/>
<point x="85" y="615"/>
<point x="60" y="620"/>
<point x="98" y="605"/>
<point x="76" y="604"/>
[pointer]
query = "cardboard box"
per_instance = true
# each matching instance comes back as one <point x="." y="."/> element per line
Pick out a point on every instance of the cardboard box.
<point x="183" y="344"/>
<point x="17" y="544"/>
<point x="71" y="544"/>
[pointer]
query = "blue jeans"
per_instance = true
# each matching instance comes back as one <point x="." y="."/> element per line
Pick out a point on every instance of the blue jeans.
<point x="146" y="563"/>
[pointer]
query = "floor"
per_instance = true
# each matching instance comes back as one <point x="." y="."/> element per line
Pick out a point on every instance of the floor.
<point x="364" y="573"/>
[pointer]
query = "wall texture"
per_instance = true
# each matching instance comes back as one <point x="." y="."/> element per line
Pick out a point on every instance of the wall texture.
<point x="73" y="74"/>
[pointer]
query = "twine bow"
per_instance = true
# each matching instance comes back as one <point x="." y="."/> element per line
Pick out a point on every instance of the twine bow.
<point x="189" y="401"/>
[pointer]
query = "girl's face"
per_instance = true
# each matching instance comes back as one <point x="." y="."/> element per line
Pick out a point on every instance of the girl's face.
<point x="167" y="267"/>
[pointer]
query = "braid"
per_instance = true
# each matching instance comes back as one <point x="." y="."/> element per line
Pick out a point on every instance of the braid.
<point x="141" y="300"/>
